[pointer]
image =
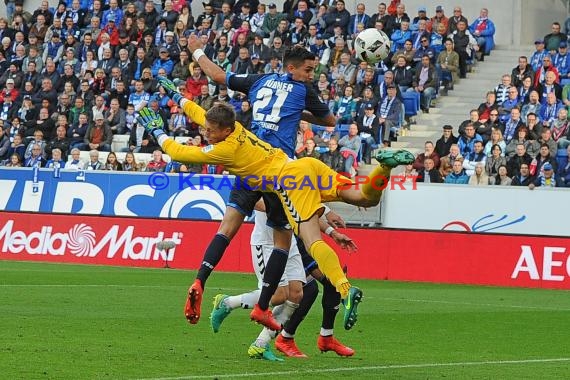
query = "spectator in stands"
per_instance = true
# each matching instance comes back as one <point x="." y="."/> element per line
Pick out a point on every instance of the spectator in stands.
<point x="309" y="150"/>
<point x="368" y="130"/>
<point x="429" y="152"/>
<point x="130" y="163"/>
<point x="448" y="66"/>
<point x="546" y="138"/>
<point x="537" y="57"/>
<point x="345" y="107"/>
<point x="407" y="52"/>
<point x="245" y="114"/>
<point x="389" y="114"/>
<point x="502" y="90"/>
<point x="112" y="163"/>
<point x="195" y="82"/>
<point x="523" y="177"/>
<point x="445" y="167"/>
<point x="531" y="146"/>
<point x="473" y="120"/>
<point x="333" y="158"/>
<point x="403" y="74"/>
<point x="94" y="163"/>
<point x="544" y="156"/>
<point x="424" y="83"/>
<point x="98" y="136"/>
<point x="303" y="134"/>
<point x="474" y="157"/>
<point x="496" y="139"/>
<point x="521" y="71"/>
<point x="157" y="164"/>
<point x="485" y="108"/>
<point x="428" y="172"/>
<point x="16" y="146"/>
<point x="75" y="162"/>
<point x="479" y="177"/>
<point x="549" y="85"/>
<point x="547" y="66"/>
<point x="368" y="80"/>
<point x="549" y="111"/>
<point x="495" y="159"/>
<point x="56" y="161"/>
<point x="4" y="145"/>
<point x="546" y="178"/>
<point x="501" y="179"/>
<point x="14" y="161"/>
<point x="443" y="145"/>
<point x="350" y="146"/>
<point x="464" y="44"/>
<point x="457" y="176"/>
<point x="559" y="128"/>
<point x="561" y="60"/>
<point x="532" y="107"/>
<point x="38" y="139"/>
<point x="457" y="16"/>
<point x="345" y="69"/>
<point x="552" y="40"/>
<point x="512" y="125"/>
<point x="36" y="158"/>
<point x="483" y="30"/>
<point x="467" y="141"/>
<point x="520" y="158"/>
<point x="564" y="170"/>
<point x="60" y="142"/>
<point x="115" y="118"/>
<point x="509" y="104"/>
<point x="323" y="137"/>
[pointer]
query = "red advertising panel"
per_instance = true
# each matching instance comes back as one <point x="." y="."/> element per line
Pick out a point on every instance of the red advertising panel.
<point x="445" y="257"/>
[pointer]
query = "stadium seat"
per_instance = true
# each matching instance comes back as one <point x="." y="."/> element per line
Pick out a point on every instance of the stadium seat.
<point x="564" y="82"/>
<point x="343" y="129"/>
<point x="120" y="142"/>
<point x="411" y="103"/>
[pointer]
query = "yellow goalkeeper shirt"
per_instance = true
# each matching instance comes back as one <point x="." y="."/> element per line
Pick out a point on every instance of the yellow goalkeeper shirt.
<point x="242" y="153"/>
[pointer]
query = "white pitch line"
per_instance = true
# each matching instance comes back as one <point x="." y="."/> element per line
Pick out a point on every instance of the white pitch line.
<point x="367" y="368"/>
<point x="474" y="304"/>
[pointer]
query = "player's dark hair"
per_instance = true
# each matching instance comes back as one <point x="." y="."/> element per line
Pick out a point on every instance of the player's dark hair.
<point x="296" y="56"/>
<point x="222" y="114"/>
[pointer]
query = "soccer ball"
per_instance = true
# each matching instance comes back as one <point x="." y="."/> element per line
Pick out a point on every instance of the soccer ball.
<point x="372" y="45"/>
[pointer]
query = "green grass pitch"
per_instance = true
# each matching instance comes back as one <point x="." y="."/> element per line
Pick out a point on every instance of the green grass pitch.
<point x="95" y="322"/>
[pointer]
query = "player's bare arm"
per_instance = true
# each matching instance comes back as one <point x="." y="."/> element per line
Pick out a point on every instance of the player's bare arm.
<point x="208" y="67"/>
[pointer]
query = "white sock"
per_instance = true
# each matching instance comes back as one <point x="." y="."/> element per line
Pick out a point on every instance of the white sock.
<point x="326" y="332"/>
<point x="248" y="300"/>
<point x="264" y="337"/>
<point x="245" y="300"/>
<point x="285" y="334"/>
<point x="283" y="312"/>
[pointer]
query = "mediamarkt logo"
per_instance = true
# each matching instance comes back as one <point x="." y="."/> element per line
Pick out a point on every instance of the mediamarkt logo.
<point x="82" y="241"/>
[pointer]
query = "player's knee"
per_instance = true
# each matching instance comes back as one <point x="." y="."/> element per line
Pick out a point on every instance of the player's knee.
<point x="295" y="291"/>
<point x="280" y="295"/>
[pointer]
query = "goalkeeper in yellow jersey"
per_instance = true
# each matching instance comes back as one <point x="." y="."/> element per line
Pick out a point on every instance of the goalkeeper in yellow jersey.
<point x="301" y="185"/>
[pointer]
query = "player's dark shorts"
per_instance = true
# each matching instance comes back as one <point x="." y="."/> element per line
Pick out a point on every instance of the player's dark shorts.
<point x="244" y="201"/>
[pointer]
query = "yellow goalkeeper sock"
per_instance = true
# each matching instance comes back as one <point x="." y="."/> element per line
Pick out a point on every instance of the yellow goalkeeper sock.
<point x="330" y="266"/>
<point x="379" y="179"/>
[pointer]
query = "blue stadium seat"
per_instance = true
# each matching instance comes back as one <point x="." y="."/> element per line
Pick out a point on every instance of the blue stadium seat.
<point x="564" y="82"/>
<point x="411" y="103"/>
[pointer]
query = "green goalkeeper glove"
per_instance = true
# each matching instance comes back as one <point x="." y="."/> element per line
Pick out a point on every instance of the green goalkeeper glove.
<point x="151" y="122"/>
<point x="170" y="88"/>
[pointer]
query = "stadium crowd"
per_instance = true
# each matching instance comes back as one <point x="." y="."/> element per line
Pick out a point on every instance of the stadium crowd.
<point x="520" y="135"/>
<point x="74" y="76"/>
